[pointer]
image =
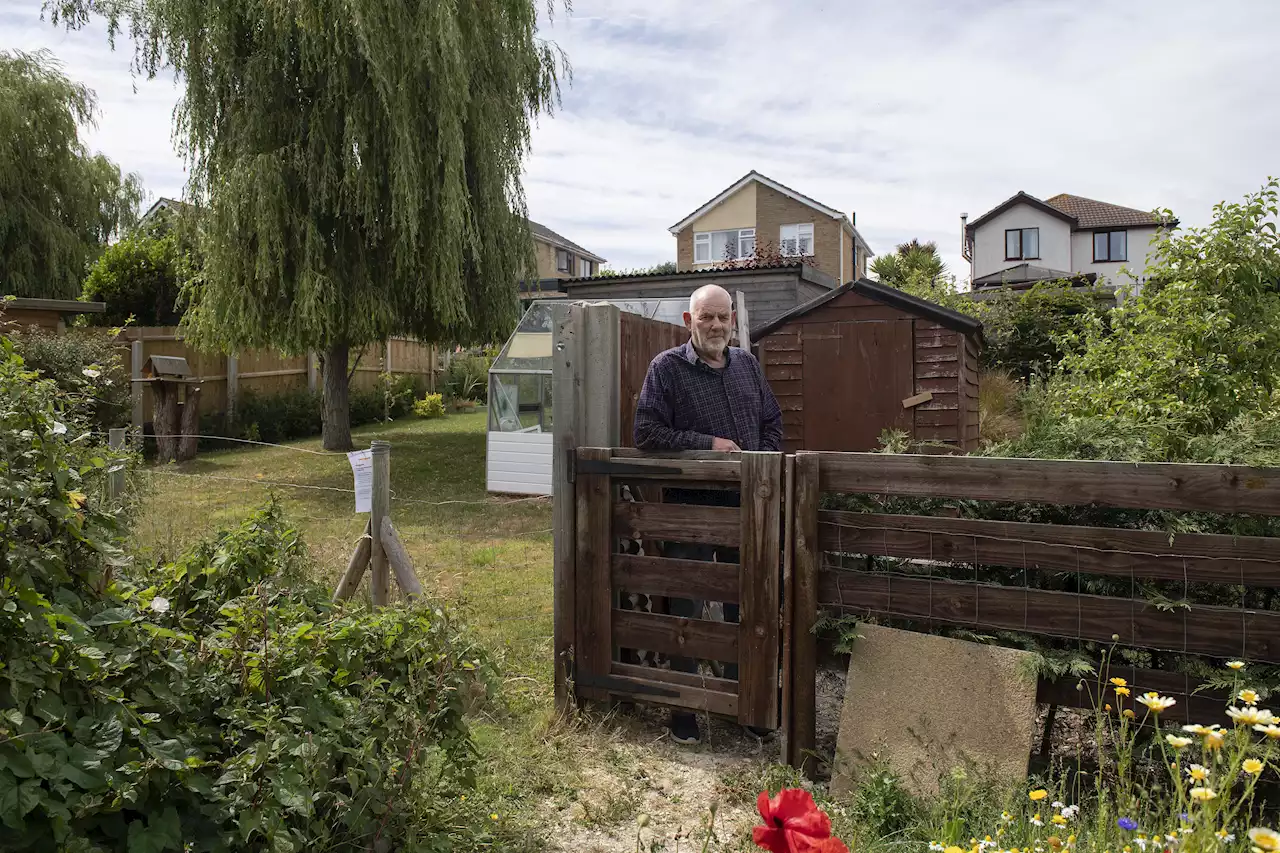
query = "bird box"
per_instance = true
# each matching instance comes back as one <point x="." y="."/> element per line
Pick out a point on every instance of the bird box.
<point x="170" y="368"/>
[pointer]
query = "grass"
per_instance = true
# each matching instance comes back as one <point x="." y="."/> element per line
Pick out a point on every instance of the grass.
<point x="489" y="558"/>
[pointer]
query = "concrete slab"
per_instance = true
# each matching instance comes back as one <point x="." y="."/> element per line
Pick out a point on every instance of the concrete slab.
<point x="925" y="705"/>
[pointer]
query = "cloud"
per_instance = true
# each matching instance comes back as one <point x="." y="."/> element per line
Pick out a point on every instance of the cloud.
<point x="908" y="113"/>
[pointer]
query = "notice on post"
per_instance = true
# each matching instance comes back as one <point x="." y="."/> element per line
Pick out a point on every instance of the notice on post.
<point x="362" y="470"/>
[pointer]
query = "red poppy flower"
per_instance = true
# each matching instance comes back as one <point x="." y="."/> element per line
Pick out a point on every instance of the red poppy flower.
<point x="793" y="823"/>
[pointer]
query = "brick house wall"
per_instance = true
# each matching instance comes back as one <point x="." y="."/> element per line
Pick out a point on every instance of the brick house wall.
<point x="773" y="210"/>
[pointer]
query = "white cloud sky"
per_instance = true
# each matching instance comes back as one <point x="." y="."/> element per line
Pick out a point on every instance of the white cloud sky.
<point x="908" y="113"/>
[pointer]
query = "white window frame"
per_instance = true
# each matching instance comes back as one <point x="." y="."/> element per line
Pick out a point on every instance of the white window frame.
<point x="795" y="233"/>
<point x="584" y="268"/>
<point x="702" y="241"/>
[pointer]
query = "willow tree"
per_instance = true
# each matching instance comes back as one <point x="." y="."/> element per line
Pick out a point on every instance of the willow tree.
<point x="59" y="204"/>
<point x="358" y="162"/>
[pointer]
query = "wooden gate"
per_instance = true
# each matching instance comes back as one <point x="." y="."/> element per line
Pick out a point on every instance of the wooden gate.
<point x="605" y="577"/>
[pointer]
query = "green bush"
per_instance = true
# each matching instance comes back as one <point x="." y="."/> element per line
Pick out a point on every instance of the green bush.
<point x="430" y="406"/>
<point x="217" y="703"/>
<point x="295" y="413"/>
<point x="1029" y="332"/>
<point x="467" y="378"/>
<point x="85" y="365"/>
<point x="139" y="277"/>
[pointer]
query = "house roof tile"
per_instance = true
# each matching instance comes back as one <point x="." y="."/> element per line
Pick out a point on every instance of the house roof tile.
<point x="1090" y="213"/>
<point x="545" y="234"/>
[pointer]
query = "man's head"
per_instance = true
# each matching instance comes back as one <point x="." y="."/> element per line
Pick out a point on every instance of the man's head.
<point x="710" y="320"/>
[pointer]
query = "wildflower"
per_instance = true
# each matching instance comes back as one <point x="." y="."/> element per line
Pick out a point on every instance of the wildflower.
<point x="1128" y="714"/>
<point x="1252" y="766"/>
<point x="1198" y="772"/>
<point x="1156" y="702"/>
<point x="1225" y="837"/>
<point x="1055" y="842"/>
<point x="59" y="428"/>
<point x="1178" y="742"/>
<point x="1237" y="665"/>
<point x="1141" y="841"/>
<point x="1119" y="682"/>
<point x="1204" y="795"/>
<point x="935" y="847"/>
<point x="644" y="821"/>
<point x="953" y="849"/>
<point x="91" y="373"/>
<point x="1036" y="821"/>
<point x="1128" y="824"/>
<point x="1122" y="691"/>
<point x="1265" y="839"/>
<point x="792" y="821"/>
<point x="1107" y="707"/>
<point x="1250" y="716"/>
<point x="1057" y="804"/>
<point x="1214" y="739"/>
<point x="76" y="499"/>
<point x="1006" y="817"/>
<point x="493" y="816"/>
<point x="1270" y="730"/>
<point x="1070" y="812"/>
<point x="1037" y="795"/>
<point x="1059" y="820"/>
<point x="160" y="604"/>
<point x="1248" y="697"/>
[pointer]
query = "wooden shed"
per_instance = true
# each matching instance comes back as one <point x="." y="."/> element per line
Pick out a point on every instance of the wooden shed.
<point x="866" y="358"/>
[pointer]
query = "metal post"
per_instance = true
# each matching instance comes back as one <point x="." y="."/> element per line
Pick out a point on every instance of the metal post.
<point x="115" y="474"/>
<point x="380" y="578"/>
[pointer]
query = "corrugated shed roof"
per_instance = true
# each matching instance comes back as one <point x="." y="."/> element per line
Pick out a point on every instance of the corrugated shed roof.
<point x="545" y="234"/>
<point x="1090" y="213"/>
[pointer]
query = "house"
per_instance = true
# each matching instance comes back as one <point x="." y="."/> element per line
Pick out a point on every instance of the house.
<point x="162" y="205"/>
<point x="865" y="358"/>
<point x="756" y="211"/>
<point x="1025" y="240"/>
<point x="558" y="259"/>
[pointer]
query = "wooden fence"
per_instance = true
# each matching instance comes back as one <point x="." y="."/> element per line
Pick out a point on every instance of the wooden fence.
<point x="921" y="570"/>
<point x="224" y="378"/>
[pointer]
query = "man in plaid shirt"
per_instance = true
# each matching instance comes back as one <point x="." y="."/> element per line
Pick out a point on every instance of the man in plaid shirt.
<point x="705" y="395"/>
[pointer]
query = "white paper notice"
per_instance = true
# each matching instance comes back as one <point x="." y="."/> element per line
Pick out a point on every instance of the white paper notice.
<point x="362" y="469"/>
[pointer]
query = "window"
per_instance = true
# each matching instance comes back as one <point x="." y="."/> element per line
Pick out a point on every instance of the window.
<point x="796" y="239"/>
<point x="1109" y="246"/>
<point x="564" y="261"/>
<point x="1022" y="244"/>
<point x="584" y="268"/>
<point x="713" y="247"/>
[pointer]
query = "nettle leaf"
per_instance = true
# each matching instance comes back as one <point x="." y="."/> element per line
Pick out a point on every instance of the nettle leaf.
<point x="113" y="616"/>
<point x="292" y="792"/>
<point x="163" y="832"/>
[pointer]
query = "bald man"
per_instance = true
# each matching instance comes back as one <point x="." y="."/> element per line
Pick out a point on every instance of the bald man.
<point x="705" y="395"/>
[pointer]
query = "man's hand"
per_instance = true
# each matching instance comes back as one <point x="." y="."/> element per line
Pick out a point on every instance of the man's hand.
<point x="725" y="445"/>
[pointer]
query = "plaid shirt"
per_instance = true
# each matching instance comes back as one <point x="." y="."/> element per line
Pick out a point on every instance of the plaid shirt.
<point x="684" y="403"/>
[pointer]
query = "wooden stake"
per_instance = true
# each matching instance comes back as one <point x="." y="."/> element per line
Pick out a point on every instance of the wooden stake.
<point x="380" y="576"/>
<point x="355" y="567"/>
<point x="398" y="556"/>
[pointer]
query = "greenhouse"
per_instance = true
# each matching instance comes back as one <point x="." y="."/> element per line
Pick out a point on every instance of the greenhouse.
<point x="518" y="459"/>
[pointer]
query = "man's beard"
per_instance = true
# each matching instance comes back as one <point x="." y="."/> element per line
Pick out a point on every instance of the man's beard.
<point x="714" y="347"/>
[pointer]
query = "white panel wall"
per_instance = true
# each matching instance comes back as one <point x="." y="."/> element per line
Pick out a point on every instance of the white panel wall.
<point x="1141" y="253"/>
<point x="519" y="463"/>
<point x="988" y="240"/>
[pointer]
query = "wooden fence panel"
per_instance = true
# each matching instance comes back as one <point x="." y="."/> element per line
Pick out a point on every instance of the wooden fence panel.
<point x="1145" y="485"/>
<point x="640" y="339"/>
<point x="761" y="527"/>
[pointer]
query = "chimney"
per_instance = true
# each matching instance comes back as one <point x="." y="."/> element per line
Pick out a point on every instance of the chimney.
<point x="964" y="237"/>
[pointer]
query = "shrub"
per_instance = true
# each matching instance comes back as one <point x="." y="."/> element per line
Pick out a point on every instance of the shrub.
<point x="430" y="406"/>
<point x="1029" y="332"/>
<point x="217" y="703"/>
<point x="293" y="413"/>
<point x="468" y="378"/>
<point x="85" y="366"/>
<point x="140" y="277"/>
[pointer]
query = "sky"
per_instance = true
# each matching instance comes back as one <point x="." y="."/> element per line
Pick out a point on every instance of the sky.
<point x="907" y="113"/>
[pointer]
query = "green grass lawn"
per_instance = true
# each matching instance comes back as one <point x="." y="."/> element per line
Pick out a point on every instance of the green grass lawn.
<point x="490" y="557"/>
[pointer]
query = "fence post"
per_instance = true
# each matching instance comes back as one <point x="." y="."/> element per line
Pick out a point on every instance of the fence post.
<point x="804" y="645"/>
<point x="115" y="475"/>
<point x="601" y="376"/>
<point x="136" y="388"/>
<point x="788" y="602"/>
<point x="761" y="524"/>
<point x="566" y="382"/>
<point x="313" y="372"/>
<point x="233" y="386"/>
<point x="380" y="577"/>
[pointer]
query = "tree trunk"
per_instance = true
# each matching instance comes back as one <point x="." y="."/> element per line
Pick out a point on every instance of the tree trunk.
<point x="164" y="419"/>
<point x="336" y="426"/>
<point x="190" y="425"/>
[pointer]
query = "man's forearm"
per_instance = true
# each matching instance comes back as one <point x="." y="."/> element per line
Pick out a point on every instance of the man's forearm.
<point x="656" y="437"/>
